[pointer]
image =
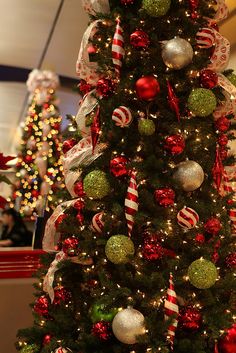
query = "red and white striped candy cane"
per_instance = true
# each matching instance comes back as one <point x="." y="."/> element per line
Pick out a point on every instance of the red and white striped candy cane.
<point x="131" y="202"/>
<point x="171" y="308"/>
<point x="118" y="48"/>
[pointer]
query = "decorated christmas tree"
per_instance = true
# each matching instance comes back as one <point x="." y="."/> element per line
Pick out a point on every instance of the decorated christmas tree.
<point x="143" y="255"/>
<point x="39" y="166"/>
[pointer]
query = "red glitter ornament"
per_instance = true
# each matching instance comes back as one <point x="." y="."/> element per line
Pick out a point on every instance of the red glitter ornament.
<point x="147" y="88"/>
<point x="165" y="196"/>
<point x="47" y="339"/>
<point x="200" y="238"/>
<point x="218" y="169"/>
<point x="190" y="319"/>
<point x="105" y="87"/>
<point x="79" y="189"/>
<point x="223" y="153"/>
<point x="173" y="100"/>
<point x="174" y="144"/>
<point x="213" y="226"/>
<point x="70" y="246"/>
<point x="227" y="344"/>
<point x="231" y="260"/>
<point x="118" y="166"/>
<point x="41" y="306"/>
<point x="208" y="79"/>
<point x="84" y="87"/>
<point x="95" y="128"/>
<point x="80" y="218"/>
<point x="35" y="193"/>
<point x="152" y="250"/>
<point x="61" y="296"/>
<point x="59" y="220"/>
<point x="28" y="158"/>
<point x="102" y="330"/>
<point x="223" y="140"/>
<point x="79" y="204"/>
<point x="222" y="124"/>
<point x="68" y="144"/>
<point x="139" y="39"/>
<point x="127" y="2"/>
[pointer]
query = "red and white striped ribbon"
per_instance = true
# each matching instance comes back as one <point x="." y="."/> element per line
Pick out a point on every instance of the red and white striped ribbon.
<point x="229" y="187"/>
<point x="171" y="308"/>
<point x="205" y="38"/>
<point x="131" y="202"/>
<point x="118" y="48"/>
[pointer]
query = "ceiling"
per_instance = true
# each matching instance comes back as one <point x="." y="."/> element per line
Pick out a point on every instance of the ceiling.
<point x="26" y="27"/>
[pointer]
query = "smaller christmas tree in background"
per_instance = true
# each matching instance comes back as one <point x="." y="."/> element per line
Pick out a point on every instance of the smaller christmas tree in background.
<point x="39" y="166"/>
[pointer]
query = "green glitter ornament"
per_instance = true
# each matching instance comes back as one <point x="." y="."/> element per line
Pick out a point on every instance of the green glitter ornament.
<point x="146" y="127"/>
<point x="98" y="312"/>
<point x="119" y="248"/>
<point x="30" y="348"/>
<point x="202" y="274"/>
<point x="96" y="185"/>
<point x="232" y="78"/>
<point x="156" y="8"/>
<point x="202" y="102"/>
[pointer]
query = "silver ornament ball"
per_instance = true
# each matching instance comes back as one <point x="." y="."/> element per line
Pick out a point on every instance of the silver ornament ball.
<point x="177" y="53"/>
<point x="127" y="325"/>
<point x="189" y="175"/>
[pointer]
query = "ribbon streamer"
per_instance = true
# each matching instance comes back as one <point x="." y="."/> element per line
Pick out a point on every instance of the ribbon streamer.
<point x="96" y="6"/>
<point x="85" y="69"/>
<point x="87" y="106"/>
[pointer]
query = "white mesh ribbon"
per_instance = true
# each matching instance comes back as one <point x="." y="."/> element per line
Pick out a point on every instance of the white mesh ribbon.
<point x="80" y="154"/>
<point x="88" y="104"/>
<point x="42" y="80"/>
<point x="96" y="6"/>
<point x="50" y="235"/>
<point x="221" y="13"/>
<point x="227" y="107"/>
<point x="85" y="69"/>
<point x="49" y="278"/>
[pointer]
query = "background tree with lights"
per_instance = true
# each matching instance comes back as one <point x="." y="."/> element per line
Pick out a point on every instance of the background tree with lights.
<point x="145" y="248"/>
<point x="39" y="166"/>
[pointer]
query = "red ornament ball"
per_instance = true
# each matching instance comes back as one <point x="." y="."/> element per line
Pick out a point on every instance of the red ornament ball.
<point x="102" y="330"/>
<point x="35" y="193"/>
<point x="208" y="79"/>
<point x="68" y="144"/>
<point x="151" y="249"/>
<point x="59" y="220"/>
<point x="165" y="197"/>
<point x="105" y="87"/>
<point x="175" y="144"/>
<point x="227" y="344"/>
<point x="79" y="189"/>
<point x="127" y="2"/>
<point x="70" y="246"/>
<point x="47" y="339"/>
<point x="213" y="226"/>
<point x="139" y="39"/>
<point x="41" y="306"/>
<point x="28" y="158"/>
<point x="147" y="88"/>
<point x="80" y="218"/>
<point x="118" y="166"/>
<point x="84" y="87"/>
<point x="79" y="205"/>
<point x="61" y="296"/>
<point x="223" y="140"/>
<point x="222" y="124"/>
<point x="231" y="260"/>
<point x="200" y="238"/>
<point x="190" y="319"/>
